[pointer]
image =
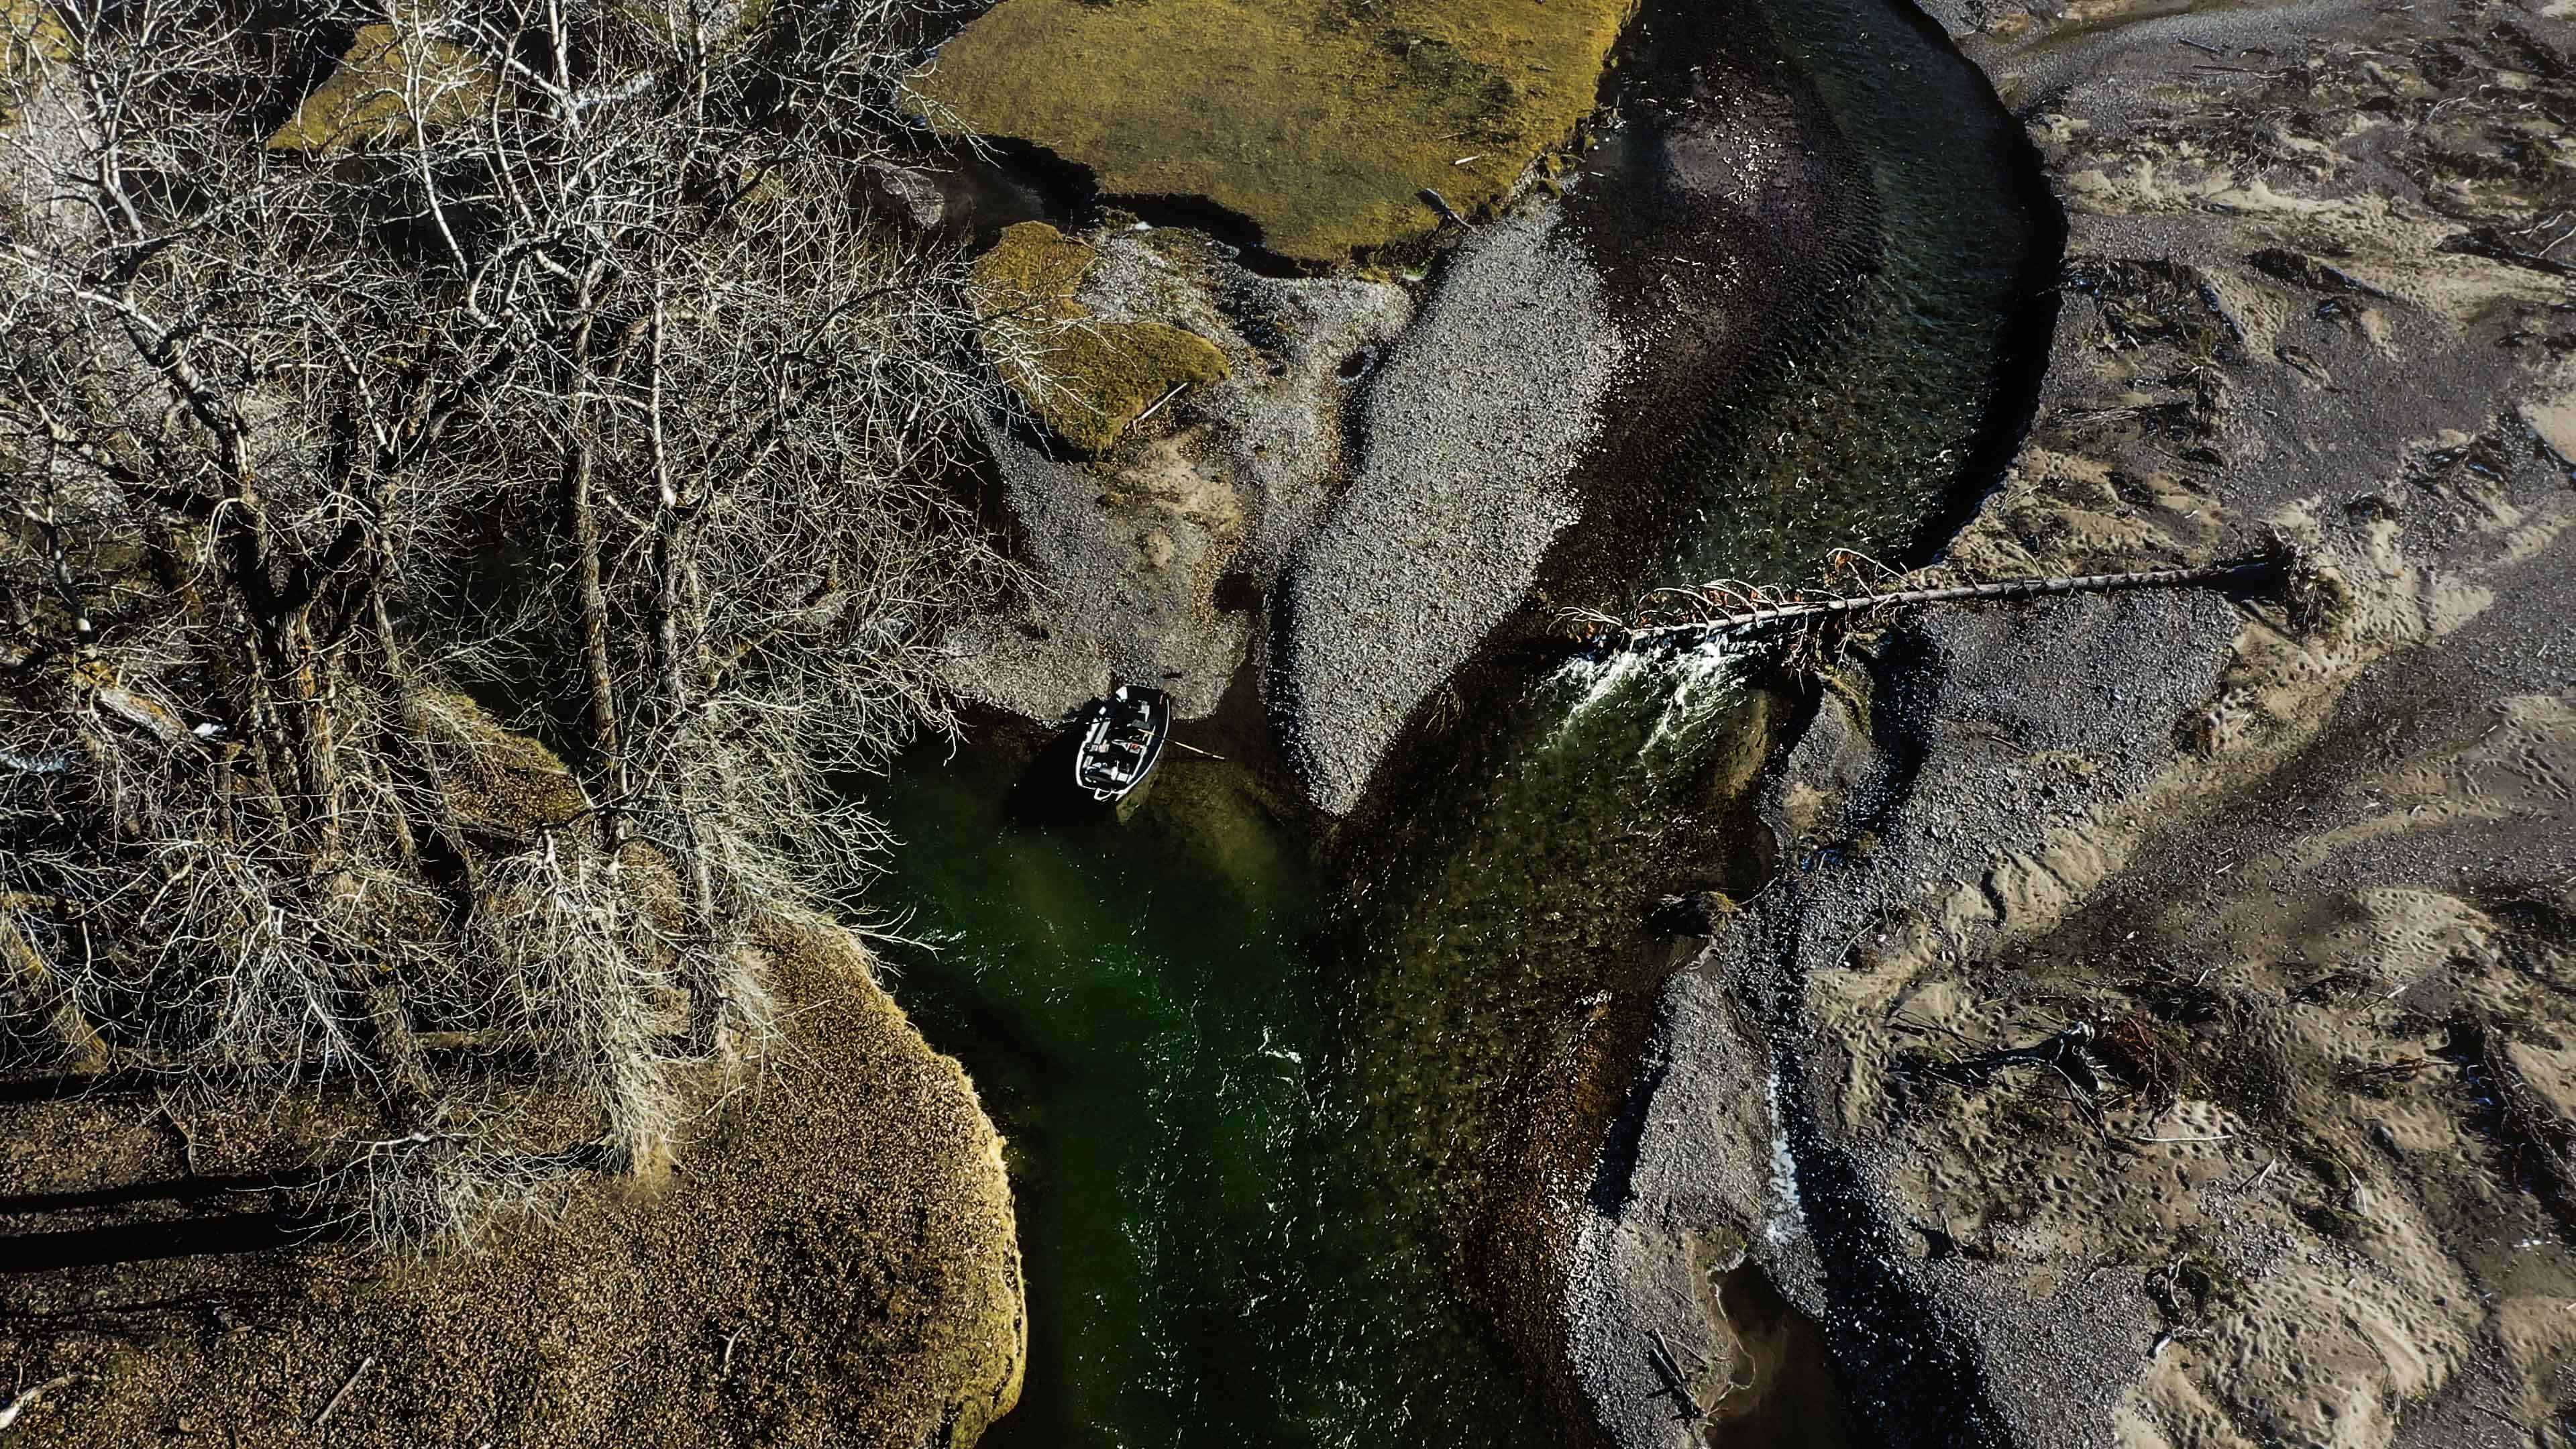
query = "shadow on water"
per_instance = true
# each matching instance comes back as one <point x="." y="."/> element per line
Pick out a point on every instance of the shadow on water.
<point x="1268" y="1111"/>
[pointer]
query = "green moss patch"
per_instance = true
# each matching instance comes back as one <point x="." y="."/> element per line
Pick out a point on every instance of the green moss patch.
<point x="29" y="32"/>
<point x="498" y="780"/>
<point x="30" y="36"/>
<point x="1320" y="120"/>
<point x="384" y="85"/>
<point x="1086" y="379"/>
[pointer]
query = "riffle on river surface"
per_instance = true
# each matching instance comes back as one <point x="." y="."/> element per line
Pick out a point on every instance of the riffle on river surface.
<point x="1267" y="1102"/>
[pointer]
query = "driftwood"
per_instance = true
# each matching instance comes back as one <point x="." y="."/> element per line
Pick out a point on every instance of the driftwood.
<point x="2542" y="1141"/>
<point x="327" y="1409"/>
<point x="1176" y="390"/>
<point x="27" y="1398"/>
<point x="2063" y="1052"/>
<point x="1735" y="612"/>
<point x="2067" y="1052"/>
<point x="1676" y="1383"/>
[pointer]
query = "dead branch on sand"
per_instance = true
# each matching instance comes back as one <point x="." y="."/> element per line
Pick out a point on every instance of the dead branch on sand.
<point x="28" y="1397"/>
<point x="2540" y="1139"/>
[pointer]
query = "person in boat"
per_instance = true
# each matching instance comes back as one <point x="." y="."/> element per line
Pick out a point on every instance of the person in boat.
<point x="1120" y="741"/>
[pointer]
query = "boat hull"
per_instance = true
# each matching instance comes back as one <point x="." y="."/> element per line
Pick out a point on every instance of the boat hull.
<point x="1119" y="739"/>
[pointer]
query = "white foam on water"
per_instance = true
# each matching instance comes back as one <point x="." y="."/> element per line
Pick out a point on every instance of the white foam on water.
<point x="1787" y="1219"/>
<point x="1693" y="683"/>
<point x="1704" y="678"/>
<point x="1597" y="680"/>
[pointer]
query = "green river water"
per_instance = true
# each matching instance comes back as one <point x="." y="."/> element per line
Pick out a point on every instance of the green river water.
<point x="1244" y="1079"/>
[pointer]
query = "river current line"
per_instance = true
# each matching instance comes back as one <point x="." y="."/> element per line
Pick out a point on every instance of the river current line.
<point x="1252" y="1102"/>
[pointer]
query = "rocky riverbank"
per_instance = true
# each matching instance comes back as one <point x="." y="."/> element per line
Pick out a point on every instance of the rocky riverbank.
<point x="1152" y="563"/>
<point x="1387" y="473"/>
<point x="2277" y="891"/>
<point x="1359" y="499"/>
<point x="1465" y="441"/>
<point x="1368" y="517"/>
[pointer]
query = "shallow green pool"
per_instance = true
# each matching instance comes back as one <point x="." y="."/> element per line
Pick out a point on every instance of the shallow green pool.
<point x="1253" y="1109"/>
<point x="1208" y="1262"/>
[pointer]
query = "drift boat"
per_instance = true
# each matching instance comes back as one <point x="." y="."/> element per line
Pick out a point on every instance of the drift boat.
<point x="1122" y="739"/>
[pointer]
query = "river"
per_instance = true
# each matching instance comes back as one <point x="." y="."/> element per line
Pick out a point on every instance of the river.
<point x="1271" y="1098"/>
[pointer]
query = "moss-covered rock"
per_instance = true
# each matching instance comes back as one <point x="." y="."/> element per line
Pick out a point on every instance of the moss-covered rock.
<point x="498" y="780"/>
<point x="29" y="33"/>
<point x="384" y="86"/>
<point x="1319" y="120"/>
<point x="1087" y="379"/>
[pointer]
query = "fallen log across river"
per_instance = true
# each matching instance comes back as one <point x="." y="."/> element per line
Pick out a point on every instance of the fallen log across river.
<point x="1739" y="613"/>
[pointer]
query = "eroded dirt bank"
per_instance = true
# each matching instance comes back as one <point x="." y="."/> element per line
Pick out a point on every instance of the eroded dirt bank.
<point x="2297" y="873"/>
<point x="833" y="1260"/>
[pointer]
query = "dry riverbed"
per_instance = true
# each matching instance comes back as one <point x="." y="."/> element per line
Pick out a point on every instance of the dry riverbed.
<point x="2302" y="871"/>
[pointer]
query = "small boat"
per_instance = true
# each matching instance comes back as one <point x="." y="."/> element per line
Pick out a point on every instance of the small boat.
<point x="1122" y="738"/>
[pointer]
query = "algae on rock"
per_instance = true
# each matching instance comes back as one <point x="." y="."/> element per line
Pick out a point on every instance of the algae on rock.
<point x="1321" y="121"/>
<point x="1085" y="378"/>
<point x="29" y="32"/>
<point x="385" y="83"/>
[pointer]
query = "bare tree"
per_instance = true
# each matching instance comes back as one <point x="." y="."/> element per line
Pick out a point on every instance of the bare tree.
<point x="542" y="354"/>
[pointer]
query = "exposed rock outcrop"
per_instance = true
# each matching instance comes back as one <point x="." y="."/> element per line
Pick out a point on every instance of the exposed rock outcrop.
<point x="1152" y="562"/>
<point x="1086" y="378"/>
<point x="1321" y="123"/>
<point x="386" y="84"/>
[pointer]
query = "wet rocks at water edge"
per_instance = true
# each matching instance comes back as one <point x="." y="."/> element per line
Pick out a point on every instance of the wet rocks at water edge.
<point x="1690" y="913"/>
